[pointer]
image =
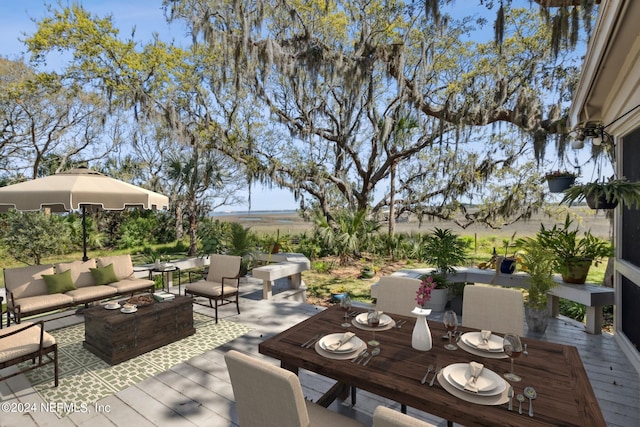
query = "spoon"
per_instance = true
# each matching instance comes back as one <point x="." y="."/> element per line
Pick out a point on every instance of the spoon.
<point x="531" y="394"/>
<point x="520" y="400"/>
<point x="374" y="352"/>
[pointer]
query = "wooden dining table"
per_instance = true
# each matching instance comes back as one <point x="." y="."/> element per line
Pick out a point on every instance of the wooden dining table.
<point x="555" y="371"/>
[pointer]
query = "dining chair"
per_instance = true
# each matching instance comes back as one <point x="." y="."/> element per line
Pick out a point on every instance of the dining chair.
<point x="27" y="341"/>
<point x="397" y="294"/>
<point x="269" y="396"/>
<point x="493" y="308"/>
<point x="386" y="417"/>
<point x="221" y="283"/>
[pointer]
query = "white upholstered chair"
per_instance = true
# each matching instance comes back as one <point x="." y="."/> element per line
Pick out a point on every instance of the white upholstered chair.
<point x="493" y="308"/>
<point x="385" y="417"/>
<point x="269" y="396"/>
<point x="397" y="294"/>
<point x="222" y="282"/>
<point x="27" y="341"/>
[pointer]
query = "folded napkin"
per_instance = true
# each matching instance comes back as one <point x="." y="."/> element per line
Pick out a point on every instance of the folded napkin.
<point x="475" y="369"/>
<point x="484" y="336"/>
<point x="342" y="341"/>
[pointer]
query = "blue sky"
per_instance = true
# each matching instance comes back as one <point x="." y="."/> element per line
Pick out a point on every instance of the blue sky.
<point x="147" y="17"/>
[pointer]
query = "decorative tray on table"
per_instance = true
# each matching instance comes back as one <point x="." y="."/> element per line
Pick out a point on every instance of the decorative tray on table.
<point x="140" y="300"/>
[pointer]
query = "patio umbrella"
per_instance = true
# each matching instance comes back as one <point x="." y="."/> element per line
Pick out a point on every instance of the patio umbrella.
<point x="78" y="189"/>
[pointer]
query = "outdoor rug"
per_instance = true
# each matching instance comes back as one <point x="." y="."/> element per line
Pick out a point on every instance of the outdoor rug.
<point x="85" y="378"/>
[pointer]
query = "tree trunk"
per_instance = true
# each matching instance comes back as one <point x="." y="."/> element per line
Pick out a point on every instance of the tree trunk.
<point x="193" y="226"/>
<point x="179" y="222"/>
<point x="392" y="207"/>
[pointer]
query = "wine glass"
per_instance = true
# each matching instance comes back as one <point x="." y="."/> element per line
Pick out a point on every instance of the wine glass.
<point x="450" y="320"/>
<point x="512" y="348"/>
<point x="373" y="320"/>
<point x="345" y="305"/>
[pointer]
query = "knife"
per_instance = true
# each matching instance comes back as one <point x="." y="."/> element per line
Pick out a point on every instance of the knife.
<point x="313" y="341"/>
<point x="307" y="342"/>
<point x="435" y="375"/>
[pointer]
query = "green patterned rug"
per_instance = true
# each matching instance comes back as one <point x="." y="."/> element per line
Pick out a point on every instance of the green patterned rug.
<point x="85" y="378"/>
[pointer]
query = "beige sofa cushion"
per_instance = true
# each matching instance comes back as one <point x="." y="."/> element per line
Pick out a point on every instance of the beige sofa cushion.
<point x="80" y="273"/>
<point x="122" y="265"/>
<point x="22" y="343"/>
<point x="25" y="282"/>
<point x="131" y="285"/>
<point x="43" y="303"/>
<point x="91" y="293"/>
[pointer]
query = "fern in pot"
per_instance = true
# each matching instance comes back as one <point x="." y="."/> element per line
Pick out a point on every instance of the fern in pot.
<point x="574" y="253"/>
<point x="605" y="194"/>
<point x="540" y="263"/>
<point x="445" y="250"/>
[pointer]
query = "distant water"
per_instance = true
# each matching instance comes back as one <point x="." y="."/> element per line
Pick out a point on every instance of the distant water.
<point x="254" y="213"/>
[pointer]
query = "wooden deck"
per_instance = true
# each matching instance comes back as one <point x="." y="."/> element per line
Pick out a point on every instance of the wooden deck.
<point x="198" y="392"/>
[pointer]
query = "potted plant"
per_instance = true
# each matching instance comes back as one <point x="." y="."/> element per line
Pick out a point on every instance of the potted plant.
<point x="559" y="180"/>
<point x="574" y="254"/>
<point x="605" y="195"/>
<point x="540" y="263"/>
<point x="367" y="272"/>
<point x="445" y="250"/>
<point x="433" y="292"/>
<point x="507" y="264"/>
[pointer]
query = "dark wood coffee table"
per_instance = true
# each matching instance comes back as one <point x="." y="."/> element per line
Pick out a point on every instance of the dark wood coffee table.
<point x="115" y="336"/>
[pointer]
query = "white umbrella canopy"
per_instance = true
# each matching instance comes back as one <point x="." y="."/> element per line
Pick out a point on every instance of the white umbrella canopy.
<point x="70" y="190"/>
<point x="78" y="189"/>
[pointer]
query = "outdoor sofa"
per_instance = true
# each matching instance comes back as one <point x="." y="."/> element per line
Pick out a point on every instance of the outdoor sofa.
<point x="42" y="288"/>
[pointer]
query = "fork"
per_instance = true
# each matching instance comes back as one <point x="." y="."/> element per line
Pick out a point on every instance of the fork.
<point x="364" y="356"/>
<point x="424" y="379"/>
<point x="399" y="323"/>
<point x="361" y="354"/>
<point x="434" y="375"/>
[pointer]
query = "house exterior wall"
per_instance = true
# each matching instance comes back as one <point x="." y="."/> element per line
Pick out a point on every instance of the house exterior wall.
<point x="608" y="93"/>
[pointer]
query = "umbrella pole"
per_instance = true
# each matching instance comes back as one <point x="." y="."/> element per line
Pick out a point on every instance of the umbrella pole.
<point x="84" y="233"/>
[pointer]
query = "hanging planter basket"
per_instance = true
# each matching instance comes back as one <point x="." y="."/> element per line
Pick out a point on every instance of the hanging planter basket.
<point x="561" y="183"/>
<point x="600" y="202"/>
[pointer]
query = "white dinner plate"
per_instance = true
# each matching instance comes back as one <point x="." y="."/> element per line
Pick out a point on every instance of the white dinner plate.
<point x="474" y="339"/>
<point x="384" y="319"/>
<point x="352" y="345"/>
<point x="123" y="310"/>
<point x="489" y="383"/>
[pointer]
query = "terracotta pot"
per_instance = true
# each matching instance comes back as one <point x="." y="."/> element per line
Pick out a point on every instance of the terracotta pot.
<point x="576" y="271"/>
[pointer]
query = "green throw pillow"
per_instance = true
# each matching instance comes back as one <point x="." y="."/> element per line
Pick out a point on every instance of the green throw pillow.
<point x="104" y="275"/>
<point x="59" y="283"/>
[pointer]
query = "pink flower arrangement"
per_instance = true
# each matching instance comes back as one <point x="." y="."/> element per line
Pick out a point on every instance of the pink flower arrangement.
<point x="424" y="291"/>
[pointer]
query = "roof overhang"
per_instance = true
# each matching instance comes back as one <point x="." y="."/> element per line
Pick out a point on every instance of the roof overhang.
<point x="609" y="67"/>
